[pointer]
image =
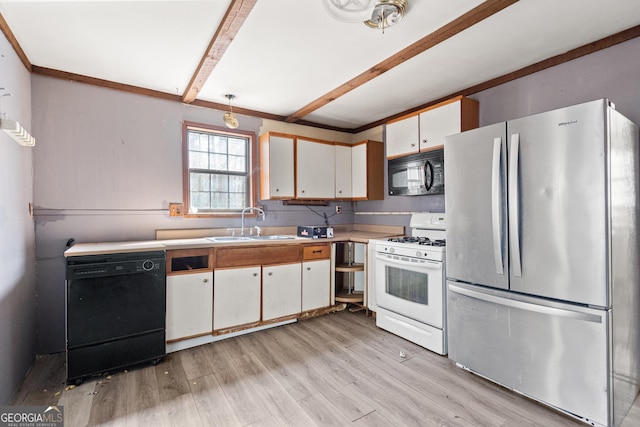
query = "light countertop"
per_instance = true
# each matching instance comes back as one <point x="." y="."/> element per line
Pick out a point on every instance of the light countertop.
<point x="342" y="234"/>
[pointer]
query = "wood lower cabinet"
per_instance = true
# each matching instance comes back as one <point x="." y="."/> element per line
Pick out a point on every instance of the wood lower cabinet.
<point x="281" y="290"/>
<point x="236" y="297"/>
<point x="189" y="305"/>
<point x="249" y="278"/>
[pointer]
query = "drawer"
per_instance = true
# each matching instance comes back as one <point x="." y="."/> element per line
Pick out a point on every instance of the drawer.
<point x="321" y="251"/>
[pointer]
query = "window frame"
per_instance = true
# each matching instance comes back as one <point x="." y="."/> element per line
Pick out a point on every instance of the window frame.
<point x="252" y="168"/>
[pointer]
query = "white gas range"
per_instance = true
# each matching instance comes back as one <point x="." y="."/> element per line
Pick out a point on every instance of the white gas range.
<point x="410" y="283"/>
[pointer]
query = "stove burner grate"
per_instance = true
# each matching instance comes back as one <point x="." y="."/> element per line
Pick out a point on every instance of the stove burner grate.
<point x="418" y="240"/>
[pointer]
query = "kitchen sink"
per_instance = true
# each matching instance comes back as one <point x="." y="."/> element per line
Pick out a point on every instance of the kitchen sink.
<point x="248" y="238"/>
<point x="274" y="237"/>
<point x="228" y="238"/>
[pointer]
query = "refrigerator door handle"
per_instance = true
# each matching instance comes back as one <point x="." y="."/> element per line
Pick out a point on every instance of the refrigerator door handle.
<point x="523" y="305"/>
<point x="514" y="207"/>
<point x="496" y="205"/>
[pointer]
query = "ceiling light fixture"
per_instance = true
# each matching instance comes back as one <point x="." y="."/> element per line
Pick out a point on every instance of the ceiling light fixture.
<point x="230" y="119"/>
<point x="387" y="13"/>
<point x="378" y="14"/>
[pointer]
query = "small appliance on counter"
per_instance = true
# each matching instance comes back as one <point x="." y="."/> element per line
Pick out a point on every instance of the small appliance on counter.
<point x="315" y="231"/>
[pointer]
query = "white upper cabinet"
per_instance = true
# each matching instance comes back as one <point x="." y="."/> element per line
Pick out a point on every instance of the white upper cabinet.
<point x="276" y="166"/>
<point x="367" y="171"/>
<point x="315" y="172"/>
<point x="402" y="137"/>
<point x="343" y="171"/>
<point x="437" y="123"/>
<point x="426" y="129"/>
<point x="297" y="167"/>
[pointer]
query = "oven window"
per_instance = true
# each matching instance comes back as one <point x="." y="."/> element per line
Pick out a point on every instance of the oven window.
<point x="408" y="285"/>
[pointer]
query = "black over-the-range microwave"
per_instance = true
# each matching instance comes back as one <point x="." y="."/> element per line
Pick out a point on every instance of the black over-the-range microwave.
<point x="417" y="174"/>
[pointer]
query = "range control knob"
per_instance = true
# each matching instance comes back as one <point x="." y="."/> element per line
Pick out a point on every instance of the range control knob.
<point x="391" y="250"/>
<point x="147" y="265"/>
<point x="419" y="254"/>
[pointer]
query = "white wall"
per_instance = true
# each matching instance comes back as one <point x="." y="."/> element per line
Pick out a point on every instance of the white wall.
<point x="17" y="262"/>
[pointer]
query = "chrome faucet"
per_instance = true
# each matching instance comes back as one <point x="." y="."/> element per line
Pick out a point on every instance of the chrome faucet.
<point x="249" y="208"/>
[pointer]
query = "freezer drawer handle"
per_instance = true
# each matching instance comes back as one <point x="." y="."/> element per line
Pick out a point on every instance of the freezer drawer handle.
<point x="496" y="205"/>
<point x="527" y="306"/>
<point x="514" y="208"/>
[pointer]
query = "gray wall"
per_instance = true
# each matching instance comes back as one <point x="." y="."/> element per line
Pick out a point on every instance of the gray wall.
<point x="108" y="163"/>
<point x="17" y="259"/>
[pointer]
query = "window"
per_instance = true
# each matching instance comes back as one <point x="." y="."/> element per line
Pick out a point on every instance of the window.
<point x="217" y="170"/>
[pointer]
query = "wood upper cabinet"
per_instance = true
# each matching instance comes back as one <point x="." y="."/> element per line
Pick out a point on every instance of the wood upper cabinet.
<point x="426" y="129"/>
<point x="277" y="166"/>
<point x="367" y="171"/>
<point x="315" y="169"/>
<point x="343" y="171"/>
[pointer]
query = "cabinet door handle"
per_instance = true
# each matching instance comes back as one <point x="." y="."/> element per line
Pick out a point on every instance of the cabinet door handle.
<point x="424" y="141"/>
<point x="255" y="274"/>
<point x="270" y="273"/>
<point x="205" y="280"/>
<point x="318" y="251"/>
<point x="413" y="145"/>
<point x="303" y="191"/>
<point x="308" y="268"/>
<point x="277" y="189"/>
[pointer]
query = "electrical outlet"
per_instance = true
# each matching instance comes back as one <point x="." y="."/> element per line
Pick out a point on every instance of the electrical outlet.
<point x="175" y="209"/>
<point x="338" y="209"/>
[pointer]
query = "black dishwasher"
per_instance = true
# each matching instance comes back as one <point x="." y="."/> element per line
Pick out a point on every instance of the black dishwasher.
<point x="115" y="312"/>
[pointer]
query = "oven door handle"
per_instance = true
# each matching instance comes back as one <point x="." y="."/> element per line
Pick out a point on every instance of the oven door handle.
<point x="391" y="260"/>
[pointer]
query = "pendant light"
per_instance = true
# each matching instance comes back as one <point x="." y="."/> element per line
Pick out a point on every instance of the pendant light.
<point x="230" y="119"/>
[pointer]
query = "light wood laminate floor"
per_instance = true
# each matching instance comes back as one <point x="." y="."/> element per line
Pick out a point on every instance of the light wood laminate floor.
<point x="337" y="369"/>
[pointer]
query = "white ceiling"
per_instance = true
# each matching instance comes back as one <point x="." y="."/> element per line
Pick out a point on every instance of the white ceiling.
<point x="288" y="53"/>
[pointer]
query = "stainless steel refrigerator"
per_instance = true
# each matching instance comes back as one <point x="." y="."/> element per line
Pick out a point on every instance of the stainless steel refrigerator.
<point x="543" y="291"/>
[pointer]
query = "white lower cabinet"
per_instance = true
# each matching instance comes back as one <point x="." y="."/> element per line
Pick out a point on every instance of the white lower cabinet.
<point x="236" y="297"/>
<point x="316" y="289"/>
<point x="189" y="305"/>
<point x="281" y="290"/>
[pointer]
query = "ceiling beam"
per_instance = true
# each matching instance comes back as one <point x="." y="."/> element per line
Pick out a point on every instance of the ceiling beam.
<point x="475" y="15"/>
<point x="231" y="23"/>
<point x="604" y="43"/>
<point x="4" y="27"/>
